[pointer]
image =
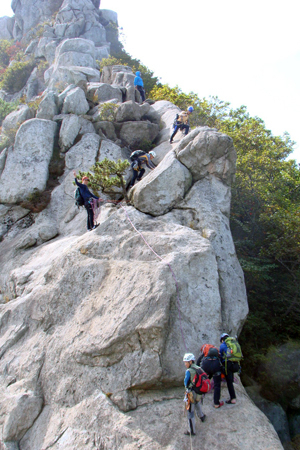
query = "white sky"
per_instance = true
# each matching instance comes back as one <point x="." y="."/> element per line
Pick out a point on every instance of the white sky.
<point x="246" y="53"/>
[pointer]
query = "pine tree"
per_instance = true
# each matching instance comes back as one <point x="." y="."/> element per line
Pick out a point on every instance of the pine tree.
<point x="107" y="175"/>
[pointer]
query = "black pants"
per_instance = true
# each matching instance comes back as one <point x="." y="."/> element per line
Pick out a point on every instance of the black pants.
<point x="90" y="215"/>
<point x="142" y="92"/>
<point x="231" y="369"/>
<point x="213" y="369"/>
<point x="137" y="174"/>
<point x="180" y="126"/>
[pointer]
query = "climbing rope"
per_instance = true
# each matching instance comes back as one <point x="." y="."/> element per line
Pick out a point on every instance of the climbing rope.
<point x="168" y="264"/>
<point x="96" y="205"/>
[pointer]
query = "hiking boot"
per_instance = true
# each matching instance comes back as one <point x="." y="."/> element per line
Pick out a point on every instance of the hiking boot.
<point x="95" y="226"/>
<point x="202" y="418"/>
<point x="219" y="405"/>
<point x="231" y="401"/>
<point x="188" y="433"/>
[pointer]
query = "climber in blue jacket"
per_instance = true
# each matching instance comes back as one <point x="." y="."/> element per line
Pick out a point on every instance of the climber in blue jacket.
<point x="87" y="195"/>
<point x="139" y="85"/>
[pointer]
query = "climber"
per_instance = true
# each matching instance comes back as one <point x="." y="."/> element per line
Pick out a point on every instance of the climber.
<point x="87" y="196"/>
<point x="211" y="364"/>
<point x="195" y="404"/>
<point x="139" y="85"/>
<point x="136" y="166"/>
<point x="229" y="370"/>
<point x="182" y="122"/>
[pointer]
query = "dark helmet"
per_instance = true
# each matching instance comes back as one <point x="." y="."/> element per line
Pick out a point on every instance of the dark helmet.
<point x="223" y="336"/>
<point x="213" y="352"/>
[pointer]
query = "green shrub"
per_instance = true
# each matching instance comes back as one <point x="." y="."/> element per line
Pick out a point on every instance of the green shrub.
<point x="6" y="108"/>
<point x="4" y="55"/>
<point x="4" y="143"/>
<point x="108" y="111"/>
<point x="110" y="61"/>
<point x="10" y="135"/>
<point x="16" y="76"/>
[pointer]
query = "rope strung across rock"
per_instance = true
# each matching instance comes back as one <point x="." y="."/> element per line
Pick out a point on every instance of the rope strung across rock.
<point x="117" y="202"/>
<point x="168" y="264"/>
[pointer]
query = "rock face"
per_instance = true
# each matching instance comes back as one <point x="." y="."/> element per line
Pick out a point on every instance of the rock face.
<point x="26" y="167"/>
<point x="6" y="28"/>
<point x="93" y="326"/>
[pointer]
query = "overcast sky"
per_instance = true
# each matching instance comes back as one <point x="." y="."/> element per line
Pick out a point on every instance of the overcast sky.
<point x="246" y="53"/>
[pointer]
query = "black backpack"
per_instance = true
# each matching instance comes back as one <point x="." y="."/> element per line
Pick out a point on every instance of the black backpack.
<point x="175" y="120"/>
<point x="134" y="155"/>
<point x="78" y="198"/>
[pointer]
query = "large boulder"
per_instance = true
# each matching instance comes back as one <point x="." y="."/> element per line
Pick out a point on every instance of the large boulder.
<point x="75" y="52"/>
<point x="82" y="156"/>
<point x="150" y="194"/>
<point x="206" y="209"/>
<point x="68" y="131"/>
<point x="26" y="166"/>
<point x="63" y="76"/>
<point x="96" y="33"/>
<point x="48" y="107"/>
<point x="27" y="15"/>
<point x="206" y="151"/>
<point x="75" y="102"/>
<point x="107" y="128"/>
<point x="131" y="111"/>
<point x="13" y="120"/>
<point x="121" y="76"/>
<point x="21" y="412"/>
<point x="103" y="92"/>
<point x="80" y="18"/>
<point x="135" y="134"/>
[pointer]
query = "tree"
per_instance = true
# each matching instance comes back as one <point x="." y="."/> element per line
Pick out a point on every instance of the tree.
<point x="265" y="222"/>
<point x="108" y="175"/>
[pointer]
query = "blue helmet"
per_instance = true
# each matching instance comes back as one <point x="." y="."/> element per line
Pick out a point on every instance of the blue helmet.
<point x="190" y="109"/>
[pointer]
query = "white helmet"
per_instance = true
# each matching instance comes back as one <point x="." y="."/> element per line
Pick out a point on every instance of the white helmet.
<point x="152" y="153"/>
<point x="189" y="357"/>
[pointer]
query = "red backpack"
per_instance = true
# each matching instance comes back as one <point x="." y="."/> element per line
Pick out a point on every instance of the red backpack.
<point x="201" y="382"/>
<point x="206" y="347"/>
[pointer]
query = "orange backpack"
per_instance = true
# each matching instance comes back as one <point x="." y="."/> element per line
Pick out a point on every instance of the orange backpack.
<point x="205" y="348"/>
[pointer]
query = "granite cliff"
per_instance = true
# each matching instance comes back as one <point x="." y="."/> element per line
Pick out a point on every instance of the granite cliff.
<point x="93" y="326"/>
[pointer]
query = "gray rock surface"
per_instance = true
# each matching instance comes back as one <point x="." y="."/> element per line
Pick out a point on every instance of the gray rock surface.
<point x="93" y="326"/>
<point x="6" y="27"/>
<point x="28" y="161"/>
<point x="68" y="131"/>
<point x="105" y="92"/>
<point x="135" y="134"/>
<point x="131" y="111"/>
<point x="48" y="107"/>
<point x="13" y="120"/>
<point x="205" y="151"/>
<point x="27" y="16"/>
<point x="167" y="112"/>
<point x="75" y="102"/>
<point x="150" y="196"/>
